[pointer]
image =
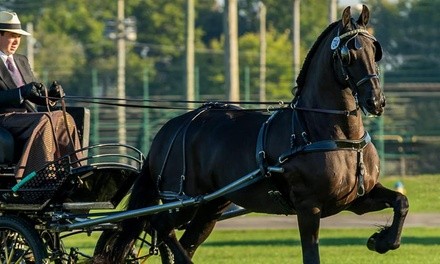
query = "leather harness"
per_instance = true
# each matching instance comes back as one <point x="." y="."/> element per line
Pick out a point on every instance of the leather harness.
<point x="357" y="145"/>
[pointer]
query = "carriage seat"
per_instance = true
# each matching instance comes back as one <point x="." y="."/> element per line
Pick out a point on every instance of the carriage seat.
<point x="6" y="146"/>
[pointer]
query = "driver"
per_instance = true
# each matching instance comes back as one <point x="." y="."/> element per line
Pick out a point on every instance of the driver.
<point x="40" y="137"/>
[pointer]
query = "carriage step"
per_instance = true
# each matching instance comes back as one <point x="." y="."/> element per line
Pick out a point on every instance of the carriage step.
<point x="88" y="206"/>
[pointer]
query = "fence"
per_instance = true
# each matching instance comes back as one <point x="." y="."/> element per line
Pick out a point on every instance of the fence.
<point x="407" y="135"/>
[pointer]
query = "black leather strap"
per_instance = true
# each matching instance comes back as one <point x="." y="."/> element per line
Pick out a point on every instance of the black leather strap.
<point x="328" y="145"/>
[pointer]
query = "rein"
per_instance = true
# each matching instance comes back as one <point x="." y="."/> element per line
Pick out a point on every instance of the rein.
<point x="136" y="103"/>
<point x="326" y="111"/>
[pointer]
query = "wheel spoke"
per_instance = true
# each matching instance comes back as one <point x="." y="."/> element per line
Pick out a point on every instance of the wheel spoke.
<point x="15" y="248"/>
<point x="7" y="245"/>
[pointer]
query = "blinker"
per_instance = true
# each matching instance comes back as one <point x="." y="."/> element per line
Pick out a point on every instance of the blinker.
<point x="378" y="54"/>
<point x="357" y="45"/>
<point x="345" y="55"/>
<point x="345" y="51"/>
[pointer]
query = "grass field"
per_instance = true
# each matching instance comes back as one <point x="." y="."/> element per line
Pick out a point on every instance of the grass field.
<point x="419" y="245"/>
<point x="423" y="191"/>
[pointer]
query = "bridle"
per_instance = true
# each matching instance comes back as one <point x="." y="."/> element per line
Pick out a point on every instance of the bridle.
<point x="341" y="53"/>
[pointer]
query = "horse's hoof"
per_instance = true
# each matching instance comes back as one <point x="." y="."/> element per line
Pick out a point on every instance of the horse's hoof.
<point x="378" y="243"/>
<point x="375" y="243"/>
<point x="371" y="243"/>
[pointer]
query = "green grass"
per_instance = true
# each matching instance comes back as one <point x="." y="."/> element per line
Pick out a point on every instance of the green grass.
<point x="423" y="191"/>
<point x="419" y="245"/>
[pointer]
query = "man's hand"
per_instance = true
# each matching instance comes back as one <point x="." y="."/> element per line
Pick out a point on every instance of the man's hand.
<point x="32" y="91"/>
<point x="56" y="91"/>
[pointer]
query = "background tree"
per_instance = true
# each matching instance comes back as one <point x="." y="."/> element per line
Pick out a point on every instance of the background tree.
<point x="74" y="30"/>
<point x="408" y="34"/>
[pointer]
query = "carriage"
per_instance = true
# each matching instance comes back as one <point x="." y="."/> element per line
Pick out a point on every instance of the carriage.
<point x="36" y="211"/>
<point x="311" y="158"/>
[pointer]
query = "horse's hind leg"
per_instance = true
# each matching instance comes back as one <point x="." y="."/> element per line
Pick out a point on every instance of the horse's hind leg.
<point x="377" y="199"/>
<point x="201" y="226"/>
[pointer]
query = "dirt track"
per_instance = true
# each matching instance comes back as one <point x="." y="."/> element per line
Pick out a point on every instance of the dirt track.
<point x="344" y="220"/>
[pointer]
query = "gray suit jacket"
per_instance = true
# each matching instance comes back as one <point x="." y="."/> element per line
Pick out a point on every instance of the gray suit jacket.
<point x="7" y="83"/>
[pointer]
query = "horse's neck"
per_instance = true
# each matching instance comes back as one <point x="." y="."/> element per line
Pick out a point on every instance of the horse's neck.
<point x="326" y="94"/>
<point x="348" y="128"/>
<point x="322" y="126"/>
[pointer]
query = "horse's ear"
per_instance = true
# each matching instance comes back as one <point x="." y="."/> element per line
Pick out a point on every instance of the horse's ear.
<point x="364" y="16"/>
<point x="346" y="16"/>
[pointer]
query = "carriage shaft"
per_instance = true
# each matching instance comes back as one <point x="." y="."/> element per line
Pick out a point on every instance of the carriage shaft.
<point x="244" y="181"/>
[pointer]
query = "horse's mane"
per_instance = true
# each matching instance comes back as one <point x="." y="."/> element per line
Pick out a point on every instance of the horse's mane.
<point x="301" y="79"/>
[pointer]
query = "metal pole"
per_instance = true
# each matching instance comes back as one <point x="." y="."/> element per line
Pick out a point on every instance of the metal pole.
<point x="247" y="84"/>
<point x="145" y="142"/>
<point x="296" y="36"/>
<point x="231" y="50"/>
<point x="263" y="46"/>
<point x="197" y="83"/>
<point x="122" y="137"/>
<point x="381" y="143"/>
<point x="30" y="44"/>
<point x="95" y="111"/>
<point x="190" y="93"/>
<point x="332" y="10"/>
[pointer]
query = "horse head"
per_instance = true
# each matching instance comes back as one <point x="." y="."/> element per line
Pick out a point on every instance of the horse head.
<point x="355" y="55"/>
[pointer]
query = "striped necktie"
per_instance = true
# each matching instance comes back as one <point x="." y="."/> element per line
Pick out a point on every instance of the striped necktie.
<point x="14" y="72"/>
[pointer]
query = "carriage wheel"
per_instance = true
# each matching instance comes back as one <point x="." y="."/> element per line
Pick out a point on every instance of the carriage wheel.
<point x="141" y="249"/>
<point x="19" y="242"/>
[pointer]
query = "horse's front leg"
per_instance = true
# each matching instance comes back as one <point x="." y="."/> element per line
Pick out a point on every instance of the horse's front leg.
<point x="308" y="224"/>
<point x="377" y="199"/>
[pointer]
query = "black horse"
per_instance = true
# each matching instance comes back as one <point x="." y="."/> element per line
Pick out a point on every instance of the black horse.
<point x="329" y="163"/>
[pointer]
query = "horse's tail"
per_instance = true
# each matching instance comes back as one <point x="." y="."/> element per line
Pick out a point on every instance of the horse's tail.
<point x="145" y="191"/>
<point x="118" y="244"/>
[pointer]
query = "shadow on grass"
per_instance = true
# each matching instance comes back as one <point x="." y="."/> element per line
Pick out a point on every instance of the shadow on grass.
<point x="345" y="241"/>
<point x="421" y="240"/>
<point x="244" y="242"/>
